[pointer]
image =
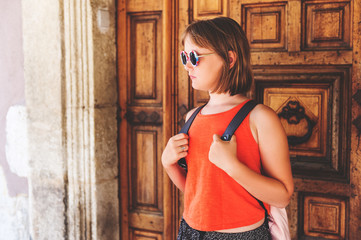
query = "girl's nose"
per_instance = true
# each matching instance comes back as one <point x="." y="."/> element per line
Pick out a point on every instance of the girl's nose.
<point x="188" y="66"/>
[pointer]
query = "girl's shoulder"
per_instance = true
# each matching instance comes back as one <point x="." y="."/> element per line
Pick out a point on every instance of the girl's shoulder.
<point x="262" y="114"/>
<point x="262" y="109"/>
<point x="264" y="119"/>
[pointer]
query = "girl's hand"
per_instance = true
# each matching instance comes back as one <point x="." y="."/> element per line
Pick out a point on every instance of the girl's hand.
<point x="223" y="153"/>
<point x="177" y="148"/>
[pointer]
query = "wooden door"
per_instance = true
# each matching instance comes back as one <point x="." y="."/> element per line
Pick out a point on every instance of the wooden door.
<point x="307" y="68"/>
<point x="144" y="41"/>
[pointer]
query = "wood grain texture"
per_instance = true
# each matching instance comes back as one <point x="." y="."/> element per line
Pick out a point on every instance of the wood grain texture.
<point x="203" y="9"/>
<point x="326" y="25"/>
<point x="265" y="26"/>
<point x="355" y="134"/>
<point x="145" y="235"/>
<point x="145" y="53"/>
<point x="324" y="217"/>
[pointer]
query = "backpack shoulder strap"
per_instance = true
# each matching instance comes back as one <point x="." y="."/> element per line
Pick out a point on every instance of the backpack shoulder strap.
<point x="238" y="119"/>
<point x="189" y="122"/>
<point x="182" y="162"/>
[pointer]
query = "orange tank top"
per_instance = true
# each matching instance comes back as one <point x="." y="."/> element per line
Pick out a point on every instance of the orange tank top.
<point x="212" y="199"/>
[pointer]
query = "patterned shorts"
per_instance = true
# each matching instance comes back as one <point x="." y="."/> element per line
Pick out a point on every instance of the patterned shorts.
<point x="188" y="233"/>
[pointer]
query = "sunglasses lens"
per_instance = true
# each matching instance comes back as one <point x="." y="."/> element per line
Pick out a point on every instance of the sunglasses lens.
<point x="183" y="58"/>
<point x="193" y="58"/>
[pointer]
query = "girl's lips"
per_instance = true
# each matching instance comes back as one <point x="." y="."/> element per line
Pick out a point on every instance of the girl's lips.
<point x="192" y="77"/>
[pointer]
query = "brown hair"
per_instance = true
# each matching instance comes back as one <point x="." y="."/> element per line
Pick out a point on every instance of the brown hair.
<point x="223" y="34"/>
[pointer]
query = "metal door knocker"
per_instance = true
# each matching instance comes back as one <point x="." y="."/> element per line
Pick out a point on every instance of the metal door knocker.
<point x="293" y="112"/>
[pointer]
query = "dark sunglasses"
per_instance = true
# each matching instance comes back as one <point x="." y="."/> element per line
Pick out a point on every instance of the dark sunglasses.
<point x="193" y="57"/>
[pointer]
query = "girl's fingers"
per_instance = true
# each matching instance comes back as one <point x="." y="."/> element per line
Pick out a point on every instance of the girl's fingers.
<point x="183" y="148"/>
<point x="181" y="142"/>
<point x="178" y="143"/>
<point x="180" y="136"/>
<point x="183" y="154"/>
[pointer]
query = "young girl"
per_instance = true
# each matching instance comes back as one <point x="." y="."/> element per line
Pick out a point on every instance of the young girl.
<point x="224" y="177"/>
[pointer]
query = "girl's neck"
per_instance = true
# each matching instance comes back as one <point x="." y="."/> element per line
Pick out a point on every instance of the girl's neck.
<point x="222" y="102"/>
<point x="217" y="99"/>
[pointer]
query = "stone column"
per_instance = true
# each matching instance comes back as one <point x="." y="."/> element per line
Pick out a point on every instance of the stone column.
<point x="71" y="98"/>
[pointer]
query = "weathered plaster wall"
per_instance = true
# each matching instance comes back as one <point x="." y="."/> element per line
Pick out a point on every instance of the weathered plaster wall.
<point x="14" y="221"/>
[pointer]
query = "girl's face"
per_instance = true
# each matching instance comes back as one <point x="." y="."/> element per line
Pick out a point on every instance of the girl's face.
<point x="206" y="75"/>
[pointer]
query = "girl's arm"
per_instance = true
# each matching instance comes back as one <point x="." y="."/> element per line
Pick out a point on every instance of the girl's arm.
<point x="276" y="188"/>
<point x="176" y="148"/>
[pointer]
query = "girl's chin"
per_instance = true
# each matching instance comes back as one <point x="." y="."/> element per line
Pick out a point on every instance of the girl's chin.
<point x="195" y="87"/>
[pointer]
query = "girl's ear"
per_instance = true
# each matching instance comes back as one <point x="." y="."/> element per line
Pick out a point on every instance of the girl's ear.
<point x="232" y="58"/>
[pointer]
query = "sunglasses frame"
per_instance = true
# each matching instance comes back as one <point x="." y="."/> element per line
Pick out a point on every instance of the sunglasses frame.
<point x="196" y="56"/>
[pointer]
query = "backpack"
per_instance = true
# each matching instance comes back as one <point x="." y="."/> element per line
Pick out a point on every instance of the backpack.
<point x="277" y="217"/>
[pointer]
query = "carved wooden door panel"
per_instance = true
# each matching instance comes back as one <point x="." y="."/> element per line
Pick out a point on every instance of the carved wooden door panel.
<point x="306" y="58"/>
<point x="144" y="40"/>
